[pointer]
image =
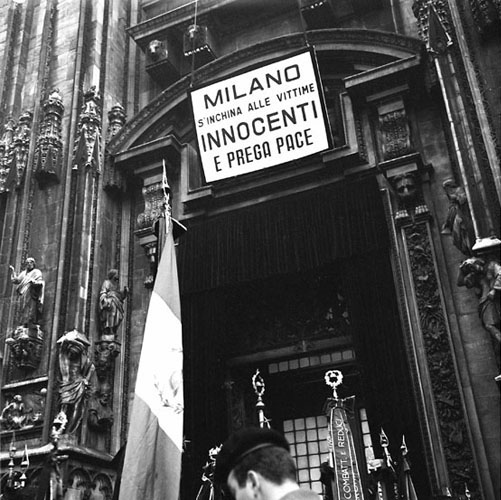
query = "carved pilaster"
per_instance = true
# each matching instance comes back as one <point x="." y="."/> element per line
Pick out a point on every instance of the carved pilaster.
<point x="5" y="153"/>
<point x="394" y="131"/>
<point x="450" y="460"/>
<point x="112" y="179"/>
<point x="440" y="363"/>
<point x="19" y="149"/>
<point x="89" y="132"/>
<point x="48" y="153"/>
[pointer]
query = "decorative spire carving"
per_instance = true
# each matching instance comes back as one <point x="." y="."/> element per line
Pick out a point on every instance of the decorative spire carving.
<point x="421" y="13"/>
<point x="48" y="153"/>
<point x="20" y="149"/>
<point x="5" y="153"/>
<point x="89" y="132"/>
<point x="112" y="179"/>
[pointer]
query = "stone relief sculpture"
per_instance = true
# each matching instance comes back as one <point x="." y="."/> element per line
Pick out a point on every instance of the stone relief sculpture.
<point x="14" y="415"/>
<point x="458" y="223"/>
<point x="485" y="278"/>
<point x="30" y="289"/>
<point x="111" y="308"/>
<point x="76" y="377"/>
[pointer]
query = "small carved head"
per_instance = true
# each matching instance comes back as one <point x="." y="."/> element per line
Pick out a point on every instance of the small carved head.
<point x="406" y="186"/>
<point x="157" y="50"/>
<point x="470" y="272"/>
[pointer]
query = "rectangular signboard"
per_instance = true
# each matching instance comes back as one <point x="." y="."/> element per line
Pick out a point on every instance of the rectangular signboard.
<point x="261" y="118"/>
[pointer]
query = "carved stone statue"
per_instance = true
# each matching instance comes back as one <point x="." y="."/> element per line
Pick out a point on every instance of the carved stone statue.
<point x="76" y="376"/>
<point x="30" y="288"/>
<point x="100" y="411"/>
<point x="111" y="309"/>
<point x="458" y="222"/>
<point x="485" y="277"/>
<point x="14" y="415"/>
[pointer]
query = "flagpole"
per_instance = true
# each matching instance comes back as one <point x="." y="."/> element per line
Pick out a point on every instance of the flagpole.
<point x="259" y="387"/>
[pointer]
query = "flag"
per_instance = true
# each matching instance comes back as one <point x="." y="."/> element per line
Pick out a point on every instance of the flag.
<point x="152" y="464"/>
<point x="347" y="483"/>
<point x="406" y="486"/>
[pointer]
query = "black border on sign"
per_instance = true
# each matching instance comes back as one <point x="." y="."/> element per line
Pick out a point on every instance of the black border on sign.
<point x="252" y="67"/>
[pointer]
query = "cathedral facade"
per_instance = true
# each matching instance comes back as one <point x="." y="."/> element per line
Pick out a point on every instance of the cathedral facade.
<point x="333" y="168"/>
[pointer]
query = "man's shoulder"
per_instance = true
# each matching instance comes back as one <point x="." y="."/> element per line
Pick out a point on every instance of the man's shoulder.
<point x="301" y="494"/>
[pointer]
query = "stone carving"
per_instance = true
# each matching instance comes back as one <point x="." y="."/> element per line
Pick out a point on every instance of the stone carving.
<point x="19" y="149"/>
<point x="485" y="278"/>
<point x="111" y="299"/>
<point x="437" y="348"/>
<point x="48" y="152"/>
<point x="76" y="377"/>
<point x="26" y="345"/>
<point x="486" y="14"/>
<point x="407" y="187"/>
<point x="157" y="50"/>
<point x="87" y="152"/>
<point x="395" y="132"/>
<point x="5" y="153"/>
<point x="421" y="9"/>
<point x="21" y="412"/>
<point x="100" y="410"/>
<point x="14" y="415"/>
<point x="458" y="223"/>
<point x="112" y="179"/>
<point x="30" y="291"/>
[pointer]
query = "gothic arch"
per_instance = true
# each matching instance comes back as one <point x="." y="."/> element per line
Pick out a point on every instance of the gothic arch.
<point x="356" y="45"/>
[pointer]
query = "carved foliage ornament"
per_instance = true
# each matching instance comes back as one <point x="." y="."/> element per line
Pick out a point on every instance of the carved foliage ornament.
<point x="48" y="153"/>
<point x="440" y="363"/>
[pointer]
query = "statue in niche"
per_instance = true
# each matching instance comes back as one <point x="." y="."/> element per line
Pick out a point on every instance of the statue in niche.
<point x="485" y="278"/>
<point x="30" y="288"/>
<point x="76" y="377"/>
<point x="14" y="415"/>
<point x="458" y="222"/>
<point x="111" y="308"/>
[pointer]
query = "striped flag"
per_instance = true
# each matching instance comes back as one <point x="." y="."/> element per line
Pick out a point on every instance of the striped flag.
<point x="152" y="464"/>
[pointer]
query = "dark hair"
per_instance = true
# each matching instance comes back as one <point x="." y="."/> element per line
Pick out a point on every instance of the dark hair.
<point x="274" y="463"/>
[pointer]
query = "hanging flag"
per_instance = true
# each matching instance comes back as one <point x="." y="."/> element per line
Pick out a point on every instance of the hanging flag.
<point x="152" y="464"/>
<point x="346" y="484"/>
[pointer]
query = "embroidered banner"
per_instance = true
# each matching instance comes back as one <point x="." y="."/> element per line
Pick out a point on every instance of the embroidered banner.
<point x="347" y="484"/>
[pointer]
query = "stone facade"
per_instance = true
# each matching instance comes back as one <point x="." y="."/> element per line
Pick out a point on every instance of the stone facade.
<point x="94" y="100"/>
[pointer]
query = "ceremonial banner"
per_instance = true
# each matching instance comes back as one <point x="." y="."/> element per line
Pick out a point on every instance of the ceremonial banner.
<point x="152" y="464"/>
<point x="347" y="484"/>
<point x="266" y="116"/>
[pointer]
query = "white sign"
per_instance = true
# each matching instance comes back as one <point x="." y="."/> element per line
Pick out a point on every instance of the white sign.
<point x="260" y="118"/>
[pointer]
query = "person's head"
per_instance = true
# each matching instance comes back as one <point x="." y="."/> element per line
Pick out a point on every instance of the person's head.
<point x="255" y="464"/>
<point x="30" y="263"/>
